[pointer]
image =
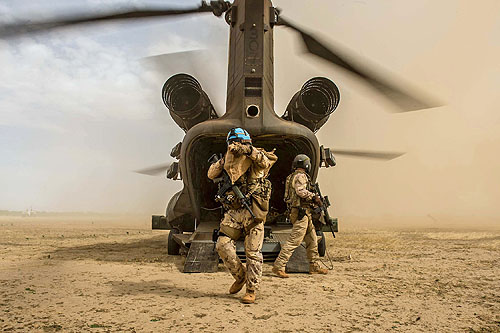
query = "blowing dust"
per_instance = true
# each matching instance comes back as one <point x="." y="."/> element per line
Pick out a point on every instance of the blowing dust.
<point x="449" y="174"/>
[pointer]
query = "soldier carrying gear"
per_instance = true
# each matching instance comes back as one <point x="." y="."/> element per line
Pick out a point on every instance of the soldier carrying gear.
<point x="247" y="167"/>
<point x="299" y="199"/>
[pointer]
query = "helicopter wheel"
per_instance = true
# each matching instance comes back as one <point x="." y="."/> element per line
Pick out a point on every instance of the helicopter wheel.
<point x="321" y="244"/>
<point x="172" y="247"/>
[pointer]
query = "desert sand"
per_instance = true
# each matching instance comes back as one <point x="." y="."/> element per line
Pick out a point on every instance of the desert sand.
<point x="105" y="274"/>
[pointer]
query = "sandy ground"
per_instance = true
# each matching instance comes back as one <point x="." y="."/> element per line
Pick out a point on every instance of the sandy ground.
<point x="104" y="274"/>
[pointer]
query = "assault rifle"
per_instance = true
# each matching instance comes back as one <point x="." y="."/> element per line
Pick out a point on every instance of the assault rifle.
<point x="225" y="184"/>
<point x="323" y="209"/>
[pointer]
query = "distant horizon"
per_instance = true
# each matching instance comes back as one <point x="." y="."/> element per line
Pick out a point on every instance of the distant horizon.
<point x="387" y="221"/>
<point x="6" y="212"/>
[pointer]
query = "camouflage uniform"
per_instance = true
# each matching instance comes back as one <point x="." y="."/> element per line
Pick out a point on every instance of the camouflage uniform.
<point x="248" y="170"/>
<point x="299" y="198"/>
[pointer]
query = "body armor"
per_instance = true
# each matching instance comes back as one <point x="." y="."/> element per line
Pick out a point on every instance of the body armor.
<point x="292" y="199"/>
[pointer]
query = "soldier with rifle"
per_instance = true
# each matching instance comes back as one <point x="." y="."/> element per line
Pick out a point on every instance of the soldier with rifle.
<point x="300" y="199"/>
<point x="244" y="192"/>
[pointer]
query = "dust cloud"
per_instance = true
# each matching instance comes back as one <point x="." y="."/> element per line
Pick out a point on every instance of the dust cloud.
<point x="448" y="176"/>
<point x="450" y="49"/>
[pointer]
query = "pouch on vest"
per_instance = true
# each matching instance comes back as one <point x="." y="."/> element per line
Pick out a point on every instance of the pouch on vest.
<point x="231" y="232"/>
<point x="260" y="200"/>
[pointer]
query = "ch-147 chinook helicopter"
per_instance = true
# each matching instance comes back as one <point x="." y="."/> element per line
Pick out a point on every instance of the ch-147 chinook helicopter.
<point x="192" y="213"/>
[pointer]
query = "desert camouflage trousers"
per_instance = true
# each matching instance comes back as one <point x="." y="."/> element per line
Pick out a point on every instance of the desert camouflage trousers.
<point x="302" y="230"/>
<point x="254" y="238"/>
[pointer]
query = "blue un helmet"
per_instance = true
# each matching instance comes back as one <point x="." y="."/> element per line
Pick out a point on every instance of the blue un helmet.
<point x="238" y="135"/>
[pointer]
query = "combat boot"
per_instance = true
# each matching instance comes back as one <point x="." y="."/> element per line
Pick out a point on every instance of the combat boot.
<point x="315" y="269"/>
<point x="279" y="272"/>
<point x="238" y="284"/>
<point x="249" y="297"/>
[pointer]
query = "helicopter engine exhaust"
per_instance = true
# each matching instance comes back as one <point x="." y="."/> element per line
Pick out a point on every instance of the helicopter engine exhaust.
<point x="187" y="102"/>
<point x="314" y="103"/>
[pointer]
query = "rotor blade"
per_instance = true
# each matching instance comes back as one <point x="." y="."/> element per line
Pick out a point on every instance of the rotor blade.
<point x="195" y="62"/>
<point x="155" y="170"/>
<point x="368" y="154"/>
<point x="405" y="100"/>
<point x="20" y="28"/>
<point x="170" y="62"/>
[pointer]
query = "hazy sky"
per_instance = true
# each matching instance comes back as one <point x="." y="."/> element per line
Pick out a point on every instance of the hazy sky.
<point x="78" y="111"/>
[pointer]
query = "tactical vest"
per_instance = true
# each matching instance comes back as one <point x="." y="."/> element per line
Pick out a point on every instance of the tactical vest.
<point x="258" y="189"/>
<point x="292" y="199"/>
<point x="230" y="200"/>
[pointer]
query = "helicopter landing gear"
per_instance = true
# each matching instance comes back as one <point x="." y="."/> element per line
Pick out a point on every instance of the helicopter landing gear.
<point x="173" y="248"/>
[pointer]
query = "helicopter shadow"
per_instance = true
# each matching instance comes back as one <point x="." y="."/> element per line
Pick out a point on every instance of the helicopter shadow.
<point x="145" y="251"/>
<point x="163" y="288"/>
<point x="151" y="250"/>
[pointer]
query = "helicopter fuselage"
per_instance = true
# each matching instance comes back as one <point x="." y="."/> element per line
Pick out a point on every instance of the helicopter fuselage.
<point x="250" y="105"/>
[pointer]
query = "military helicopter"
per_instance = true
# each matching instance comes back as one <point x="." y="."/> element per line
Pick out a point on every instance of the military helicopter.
<point x="192" y="213"/>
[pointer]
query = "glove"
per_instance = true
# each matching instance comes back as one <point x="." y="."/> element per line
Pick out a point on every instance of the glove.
<point x="318" y="201"/>
<point x="246" y="149"/>
<point x="240" y="149"/>
<point x="233" y="148"/>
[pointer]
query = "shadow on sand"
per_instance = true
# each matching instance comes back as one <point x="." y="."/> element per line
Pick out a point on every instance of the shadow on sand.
<point x="161" y="287"/>
<point x="149" y="250"/>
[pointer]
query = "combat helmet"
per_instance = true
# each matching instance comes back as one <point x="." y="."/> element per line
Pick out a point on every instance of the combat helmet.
<point x="301" y="161"/>
<point x="238" y="134"/>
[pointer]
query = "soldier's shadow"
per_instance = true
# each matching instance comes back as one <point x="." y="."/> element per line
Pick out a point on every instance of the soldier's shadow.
<point x="151" y="250"/>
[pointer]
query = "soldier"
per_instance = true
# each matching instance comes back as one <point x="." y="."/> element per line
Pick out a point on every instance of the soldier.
<point x="248" y="168"/>
<point x="299" y="200"/>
